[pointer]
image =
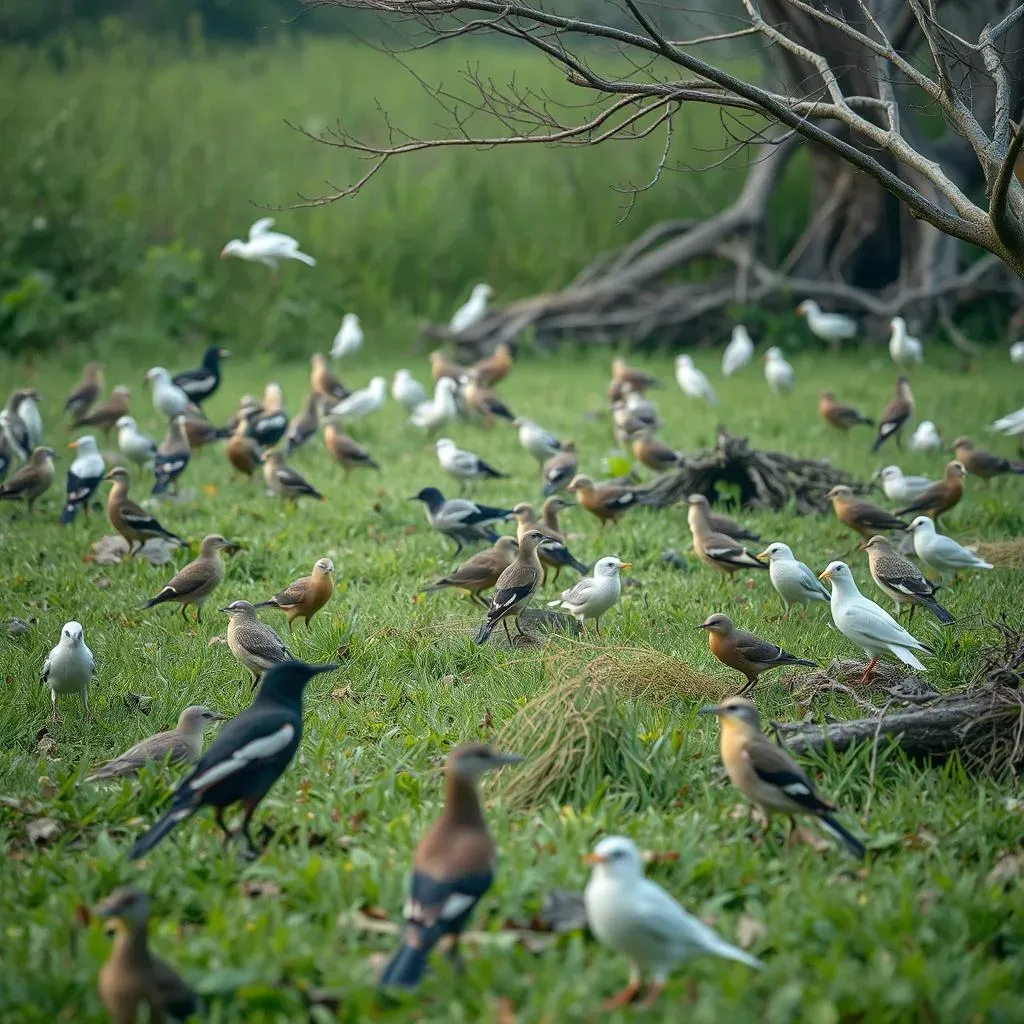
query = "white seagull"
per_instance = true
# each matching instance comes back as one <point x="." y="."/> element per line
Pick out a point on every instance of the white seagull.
<point x="266" y="246"/>
<point x="464" y="466"/>
<point x="777" y="372"/>
<point x="349" y="338"/>
<point x="693" y="382"/>
<point x="540" y="443"/>
<point x="168" y="399"/>
<point x="738" y="352"/>
<point x="407" y="391"/>
<point x="69" y="667"/>
<point x="1017" y="353"/>
<point x="27" y="410"/>
<point x="133" y="444"/>
<point x="942" y="553"/>
<point x="902" y="347"/>
<point x="363" y="402"/>
<point x="592" y="596"/>
<point x="926" y="438"/>
<point x="898" y="487"/>
<point x="441" y="410"/>
<point x="793" y="581"/>
<point x="831" y="327"/>
<point x="472" y="311"/>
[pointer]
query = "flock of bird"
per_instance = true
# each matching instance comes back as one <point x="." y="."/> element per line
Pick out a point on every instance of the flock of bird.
<point x="455" y="861"/>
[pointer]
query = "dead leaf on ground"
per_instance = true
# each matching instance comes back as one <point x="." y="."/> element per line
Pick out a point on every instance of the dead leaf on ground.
<point x="739" y="812"/>
<point x="1008" y="867"/>
<point x="42" y="831"/>
<point x="259" y="888"/>
<point x="46" y="746"/>
<point x="375" y="912"/>
<point x="138" y="700"/>
<point x="749" y="931"/>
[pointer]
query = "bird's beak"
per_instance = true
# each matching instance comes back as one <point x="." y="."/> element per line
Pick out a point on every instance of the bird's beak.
<point x="710" y="709"/>
<point x="762" y="555"/>
<point x="625" y="565"/>
<point x="224" y="353"/>
<point x="826" y="575"/>
<point x="218" y="717"/>
<point x="703" y="625"/>
<point x="594" y="858"/>
<point x="232" y="548"/>
<point x="72" y="444"/>
<point x="503" y="759"/>
<point x="224" y="609"/>
<point x="224" y="252"/>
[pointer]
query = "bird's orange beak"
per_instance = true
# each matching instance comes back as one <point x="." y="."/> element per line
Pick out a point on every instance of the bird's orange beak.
<point x="593" y="858"/>
<point x="763" y="554"/>
<point x="72" y="444"/>
<point x="826" y="575"/>
<point x="626" y="565"/>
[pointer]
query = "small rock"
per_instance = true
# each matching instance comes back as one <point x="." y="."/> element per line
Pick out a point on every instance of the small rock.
<point x="138" y="700"/>
<point x="46" y="746"/>
<point x="17" y="627"/>
<point x="674" y="560"/>
<point x="42" y="831"/>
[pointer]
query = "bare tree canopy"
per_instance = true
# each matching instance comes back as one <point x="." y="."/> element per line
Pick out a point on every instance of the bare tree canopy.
<point x="910" y="107"/>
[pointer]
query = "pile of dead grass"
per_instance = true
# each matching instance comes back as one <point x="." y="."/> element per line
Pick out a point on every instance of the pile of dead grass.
<point x="1003" y="554"/>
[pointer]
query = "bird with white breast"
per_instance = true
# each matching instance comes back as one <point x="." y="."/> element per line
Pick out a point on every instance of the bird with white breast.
<point x="693" y="382"/>
<point x="738" y="352"/>
<point x="833" y="328"/>
<point x="781" y="377"/>
<point x="69" y="668"/>
<point x="349" y="338"/>
<point x="941" y="553"/>
<point x="266" y="246"/>
<point x="904" y="349"/>
<point x="473" y="311"/>
<point x="594" y="595"/>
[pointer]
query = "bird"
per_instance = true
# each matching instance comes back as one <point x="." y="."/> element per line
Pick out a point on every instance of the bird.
<point x="655" y="454"/>
<point x="86" y="391"/>
<point x="1011" y="425"/>
<point x="250" y="753"/>
<point x="635" y="917"/>
<point x="592" y="596"/>
<point x="304" y="425"/>
<point x="243" y="452"/>
<point x="744" y="651"/>
<point x="514" y="588"/>
<point x="407" y="391"/>
<point x="472" y="311"/>
<point x="181" y="745"/>
<point x="767" y="775"/>
<point x="168" y="399"/>
<point x="895" y="415"/>
<point x="84" y="476"/>
<point x="838" y="415"/>
<point x="940" y="553"/>
<point x="721" y="523"/>
<point x="33" y="480"/>
<point x="627" y="425"/>
<point x="926" y="438"/>
<point x="69" y="667"/>
<point x="349" y="338"/>
<point x="442" y="366"/>
<point x="492" y="369"/>
<point x="860" y="515"/>
<point x="981" y="463"/>
<point x="460" y="520"/>
<point x="269" y="421"/>
<point x="898" y="487"/>
<point x="559" y="470"/>
<point x="324" y="381"/>
<point x="553" y="551"/>
<point x="868" y="625"/>
<point x="266" y="246"/>
<point x="196" y="581"/>
<point x="6" y="456"/>
<point x="346" y="452"/>
<point x="253" y="643"/>
<point x="1017" y="353"/>
<point x="903" y="348"/>
<point x="540" y="443"/>
<point x="285" y="481"/>
<point x="14" y="435"/>
<point x="833" y="328"/>
<point x="172" y="457"/>
<point x="132" y="521"/>
<point x="549" y="512"/>
<point x="902" y="580"/>
<point x="484" y="402"/>
<point x="201" y="383"/>
<point x="105" y="415"/>
<point x="738" y="352"/>
<point x="132" y="977"/>
<point x="793" y="580"/>
<point x="780" y="376"/>
<point x="632" y="379"/>
<point x="304" y="597"/>
<point x="642" y="410"/>
<point x="452" y="868"/>
<point x="465" y="466"/>
<point x="25" y="403"/>
<point x="433" y="414"/>
<point x="480" y="571"/>
<point x="199" y="431"/>
<point x="604" y="501"/>
<point x="135" y="446"/>
<point x="941" y="496"/>
<point x="716" y="549"/>
<point x="693" y="382"/>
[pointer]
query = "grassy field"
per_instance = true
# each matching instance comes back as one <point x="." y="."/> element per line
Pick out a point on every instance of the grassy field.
<point x="920" y="933"/>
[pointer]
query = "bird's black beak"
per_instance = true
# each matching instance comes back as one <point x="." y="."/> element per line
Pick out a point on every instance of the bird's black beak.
<point x="710" y="709"/>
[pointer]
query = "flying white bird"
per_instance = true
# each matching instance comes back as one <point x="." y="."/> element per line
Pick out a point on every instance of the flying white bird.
<point x="926" y="437"/>
<point x="738" y="352"/>
<point x="266" y="246"/>
<point x="902" y="347"/>
<point x="442" y="409"/>
<point x="474" y="310"/>
<point x="693" y="382"/>
<point x="831" y="327"/>
<point x="349" y="338"/>
<point x="407" y="391"/>
<point x="777" y="372"/>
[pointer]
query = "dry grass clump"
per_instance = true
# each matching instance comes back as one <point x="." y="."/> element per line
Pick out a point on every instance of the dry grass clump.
<point x="1003" y="554"/>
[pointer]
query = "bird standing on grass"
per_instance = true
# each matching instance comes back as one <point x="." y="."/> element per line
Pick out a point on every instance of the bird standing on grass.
<point x="632" y="379"/>
<point x="540" y="443"/>
<point x="484" y="402"/>
<point x="693" y="382"/>
<point x="494" y="368"/>
<point x="941" y="496"/>
<point x="895" y="415"/>
<point x="926" y="438"/>
<point x="861" y="516"/>
<point x="268" y="420"/>
<point x="452" y="869"/>
<point x="285" y="481"/>
<point x="721" y="523"/>
<point x="196" y="581"/>
<point x="984" y="464"/>
<point x="345" y="451"/>
<point x="172" y="457"/>
<point x="655" y="454"/>
<point x="594" y="595"/>
<point x="200" y="432"/>
<point x="69" y="668"/>
<point x="514" y="588"/>
<point x="253" y="643"/>
<point x="84" y="476"/>
<point x="26" y="408"/>
<point x="746" y="652"/>
<point x="307" y="595"/>
<point x="715" y="549"/>
<point x="903" y="348"/>
<point x="460" y="520"/>
<point x="559" y="470"/>
<point x="767" y="775"/>
<point x="832" y="328"/>
<point x="604" y="501"/>
<point x="407" y="391"/>
<point x="86" y="391"/>
<point x="780" y="376"/>
<point x="898" y="487"/>
<point x="793" y="581"/>
<point x="33" y="479"/>
<point x="441" y="366"/>
<point x="13" y="427"/>
<point x="940" y="553"/>
<point x="304" y="425"/>
<point x="168" y="399"/>
<point x="838" y="415"/>
<point x="465" y="466"/>
<point x="135" y="446"/>
<point x="363" y="402"/>
<point x="266" y="246"/>
<point x="130" y="520"/>
<point x="902" y="580"/>
<point x="553" y="552"/>
<point x="248" y="756"/>
<point x="480" y="571"/>
<point x="473" y="311"/>
<point x="105" y="415"/>
<point x="442" y="409"/>
<point x="635" y="917"/>
<point x="201" y="383"/>
<point x="738" y="352"/>
<point x="243" y="451"/>
<point x="349" y="338"/>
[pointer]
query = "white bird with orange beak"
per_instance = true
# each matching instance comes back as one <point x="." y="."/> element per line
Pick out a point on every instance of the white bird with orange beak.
<point x="266" y="246"/>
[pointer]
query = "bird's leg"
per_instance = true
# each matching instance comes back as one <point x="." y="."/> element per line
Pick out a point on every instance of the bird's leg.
<point x="597" y="625"/>
<point x="554" y="579"/>
<point x="54" y="713"/>
<point x="251" y="851"/>
<point x="199" y="611"/>
<point x="218" y="816"/>
<point x="508" y="635"/>
<point x="748" y="685"/>
<point x="543" y="574"/>
<point x="520" y="630"/>
<point x="184" y="610"/>
<point x="479" y="600"/>
<point x="910" y="617"/>
<point x="867" y="672"/>
<point x="627" y="995"/>
<point x="657" y="986"/>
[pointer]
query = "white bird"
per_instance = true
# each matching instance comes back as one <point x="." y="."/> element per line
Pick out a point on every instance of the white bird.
<point x="942" y="553"/>
<point x="635" y="917"/>
<point x="407" y="391"/>
<point x="349" y="338"/>
<point x="898" y="487"/>
<point x="14" y="435"/>
<point x="1012" y="423"/>
<point x="266" y="246"/>
<point x="777" y="372"/>
<point x="1017" y="353"/>
<point x="69" y="667"/>
<point x="133" y="444"/>
<point x="592" y="596"/>
<point x="793" y="581"/>
<point x="902" y="347"/>
<point x="540" y="443"/>
<point x="831" y="327"/>
<point x="472" y="311"/>
<point x="738" y="352"/>
<point x="926" y="438"/>
<point x="692" y="381"/>
<point x="27" y="410"/>
<point x="168" y="399"/>
<point x="441" y="410"/>
<point x="363" y="402"/>
<point x="867" y="624"/>
<point x="464" y="466"/>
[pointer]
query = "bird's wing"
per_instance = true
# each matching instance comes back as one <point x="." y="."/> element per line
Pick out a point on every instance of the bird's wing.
<point x="810" y="582"/>
<point x="294" y="593"/>
<point x="260" y="227"/>
<point x="877" y="625"/>
<point x="44" y="672"/>
<point x="92" y="661"/>
<point x="580" y="592"/>
<point x="21" y="481"/>
<point x="264" y="643"/>
<point x="193" y="577"/>
<point x="873" y="516"/>
<point x="164" y="745"/>
<point x="756" y="650"/>
<point x="771" y="764"/>
<point x="903" y="576"/>
<point x="292" y="478"/>
<point x="175" y="994"/>
<point x="459" y="511"/>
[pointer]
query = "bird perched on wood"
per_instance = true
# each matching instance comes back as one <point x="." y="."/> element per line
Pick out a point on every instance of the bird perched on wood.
<point x="196" y="581"/>
<point x="433" y="415"/>
<point x="693" y="382"/>
<point x="349" y="338"/>
<point x="746" y="652"/>
<point x="898" y="487"/>
<point x="84" y="476"/>
<point x="464" y="466"/>
<point x="460" y="520"/>
<point x="253" y="643"/>
<point x="895" y="415"/>
<point x="655" y="454"/>
<point x="132" y="521"/>
<point x="33" y="479"/>
<point x="716" y="549"/>
<point x="324" y="381"/>
<point x="860" y="515"/>
<point x="69" y="668"/>
<point x="926" y="438"/>
<point x="480" y="571"/>
<point x="303" y="598"/>
<point x="903" y="349"/>
<point x="492" y="369"/>
<point x="442" y="366"/>
<point x="135" y="446"/>
<point x="832" y="328"/>
<point x="721" y="523"/>
<point x="86" y="391"/>
<point x="181" y="745"/>
<point x="304" y="425"/>
<point x="201" y="383"/>
<point x="168" y="399"/>
<point x="452" y="869"/>
<point x="473" y="311"/>
<point x="559" y="470"/>
<point x="407" y="391"/>
<point x="346" y="452"/>
<point x="269" y="420"/>
<point x="172" y="457"/>
<point x="780" y="376"/>
<point x="838" y="415"/>
<point x="515" y="588"/>
<point x="266" y="246"/>
<point x="632" y="379"/>
<point x="638" y="919"/>
<point x="553" y="551"/>
<point x="243" y="452"/>
<point x="767" y="775"/>
<point x="738" y="352"/>
<point x="540" y="443"/>
<point x="592" y="596"/>
<point x="132" y="977"/>
<point x="484" y="402"/>
<point x="902" y="580"/>
<point x="285" y="481"/>
<point x="793" y="581"/>
<point x="940" y="553"/>
<point x="867" y="624"/>
<point x="605" y="501"/>
<point x="941" y="496"/>
<point x="26" y="408"/>
<point x="981" y="463"/>
<point x="248" y="756"/>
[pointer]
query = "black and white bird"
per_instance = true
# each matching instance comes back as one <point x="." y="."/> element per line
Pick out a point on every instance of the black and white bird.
<point x="172" y="457"/>
<point x="84" y="476"/>
<point x="466" y="467"/>
<point x="69" y="667"/>
<point x="201" y="383"/>
<point x="462" y="521"/>
<point x="269" y="421"/>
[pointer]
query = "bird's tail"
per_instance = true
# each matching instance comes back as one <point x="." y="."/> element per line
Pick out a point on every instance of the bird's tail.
<point x="1016" y="466"/>
<point x="490" y="471"/>
<point x="728" y="951"/>
<point x="434" y="587"/>
<point x="304" y="257"/>
<point x="577" y="564"/>
<point x="485" y="630"/>
<point x="802" y="661"/>
<point x="160" y="485"/>
<point x="908" y="657"/>
<point x="164" y="595"/>
<point x="70" y="510"/>
<point x="266" y="604"/>
<point x="938" y="611"/>
<point x="406" y="968"/>
<point x="879" y="441"/>
<point x="851" y="842"/>
<point x="548" y="489"/>
<point x="868" y="420"/>
<point x="174" y="538"/>
<point x="166" y="824"/>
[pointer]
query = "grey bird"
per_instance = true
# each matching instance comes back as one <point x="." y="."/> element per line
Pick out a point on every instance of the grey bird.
<point x="253" y="643"/>
<point x="715" y="549"/>
<point x="902" y="580"/>
<point x="462" y="521"/>
<point x="515" y="587"/>
<point x="195" y="583"/>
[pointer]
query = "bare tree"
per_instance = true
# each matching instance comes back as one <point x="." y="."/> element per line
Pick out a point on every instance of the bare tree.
<point x="900" y="211"/>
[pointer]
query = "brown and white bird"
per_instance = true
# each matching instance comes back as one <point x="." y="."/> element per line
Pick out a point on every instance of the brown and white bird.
<point x="243" y="451"/>
<point x="984" y="464"/>
<point x="172" y="457"/>
<point x="485" y="402"/>
<point x="746" y="652"/>
<point x="86" y="391"/>
<point x="268" y="420"/>
<point x="655" y="454"/>
<point x="632" y="379"/>
<point x="494" y="368"/>
<point x="901" y="579"/>
<point x="514" y="588"/>
<point x="285" y="481"/>
<point x="559" y="470"/>
<point x="324" y="381"/>
<point x="896" y="415"/>
<point x="199" y="579"/>
<point x="346" y="452"/>
<point x="200" y="432"/>
<point x="442" y="366"/>
<point x="715" y="549"/>
<point x="106" y="414"/>
<point x="720" y="522"/>
<point x="305" y="425"/>
<point x="860" y="515"/>
<point x="480" y="572"/>
<point x="941" y="496"/>
<point x="553" y="551"/>
<point x="253" y="643"/>
<point x="132" y="521"/>
<point x="32" y="480"/>
<point x="605" y="501"/>
<point x="839" y="415"/>
<point x="306" y="596"/>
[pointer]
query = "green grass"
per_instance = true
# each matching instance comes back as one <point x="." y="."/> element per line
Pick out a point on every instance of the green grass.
<point x="917" y="935"/>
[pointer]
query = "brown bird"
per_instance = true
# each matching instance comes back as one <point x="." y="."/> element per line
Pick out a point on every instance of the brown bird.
<point x="243" y="451"/>
<point x="746" y="652"/>
<point x="941" y="496"/>
<point x="324" y="381"/>
<point x="345" y="451"/>
<point x="253" y="643"/>
<point x="553" y="551"/>
<point x="721" y="523"/>
<point x="902" y="580"/>
<point x="442" y="366"/>
<point x="305" y="424"/>
<point x="494" y="368"/>
<point x="86" y="391"/>
<point x="549" y="512"/>
<point x="606" y="501"/>
<point x="714" y="548"/>
<point x="485" y="403"/>
<point x="895" y="415"/>
<point x="32" y="480"/>
<point x="655" y="454"/>
<point x="514" y="588"/>
<point x="195" y="583"/>
<point x="132" y="521"/>
<point x="199" y="432"/>
<point x="480" y="571"/>
<point x="838" y="415"/>
<point x="106" y="414"/>
<point x="559" y="470"/>
<point x="863" y="517"/>
<point x="632" y="379"/>
<point x="284" y="481"/>
<point x="132" y="976"/>
<point x="306" y="596"/>
<point x="981" y="463"/>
